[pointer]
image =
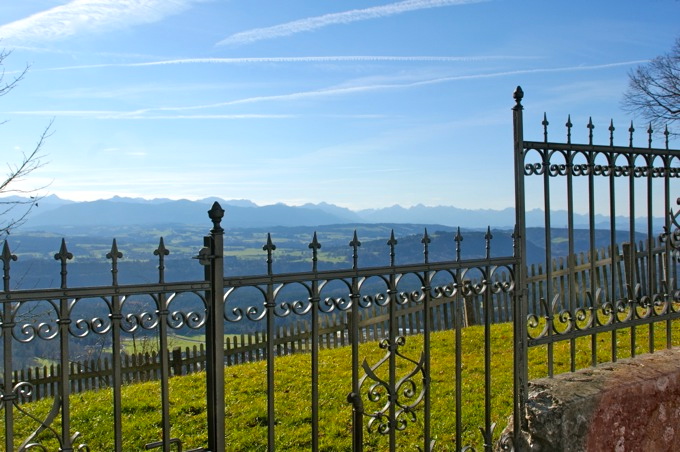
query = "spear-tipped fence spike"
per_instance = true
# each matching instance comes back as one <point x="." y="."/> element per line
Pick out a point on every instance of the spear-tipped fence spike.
<point x="161" y="250"/>
<point x="545" y="127"/>
<point x="63" y="254"/>
<point x="114" y="253"/>
<point x="650" y="131"/>
<point x="7" y="256"/>
<point x="355" y="244"/>
<point x="569" y="125"/>
<point x="426" y="249"/>
<point x="314" y="244"/>
<point x="488" y="237"/>
<point x="611" y="132"/>
<point x="590" y="126"/>
<point x="666" y="133"/>
<point x="355" y="240"/>
<point x="270" y="245"/>
<point x="458" y="238"/>
<point x="269" y="248"/>
<point x="631" y="129"/>
<point x="392" y="242"/>
<point x="426" y="240"/>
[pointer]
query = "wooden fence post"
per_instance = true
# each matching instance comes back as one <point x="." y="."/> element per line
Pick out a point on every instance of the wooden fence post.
<point x="628" y="268"/>
<point x="177" y="361"/>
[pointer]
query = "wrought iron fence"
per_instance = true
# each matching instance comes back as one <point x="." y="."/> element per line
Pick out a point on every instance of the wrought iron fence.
<point x="383" y="304"/>
<point x="95" y="373"/>
<point x="625" y="183"/>
<point x="389" y="394"/>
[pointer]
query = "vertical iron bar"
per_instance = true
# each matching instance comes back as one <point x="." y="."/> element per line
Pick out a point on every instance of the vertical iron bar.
<point x="670" y="280"/>
<point x="269" y="305"/>
<point x="392" y="349"/>
<point x="520" y="364"/>
<point x="314" y="300"/>
<point x="214" y="273"/>
<point x="355" y="396"/>
<point x="487" y="300"/>
<point x="116" y="318"/>
<point x="632" y="299"/>
<point x="64" y="321"/>
<point x="571" y="260"/>
<point x="548" y="237"/>
<point x="593" y="252"/>
<point x="651" y="283"/>
<point x="161" y="252"/>
<point x="458" y="325"/>
<point x="427" y="288"/>
<point x="8" y="395"/>
<point x="613" y="252"/>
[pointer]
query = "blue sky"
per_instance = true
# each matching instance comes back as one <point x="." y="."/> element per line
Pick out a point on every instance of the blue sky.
<point x="363" y="104"/>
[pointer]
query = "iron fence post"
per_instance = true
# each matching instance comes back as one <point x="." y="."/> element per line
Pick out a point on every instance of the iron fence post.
<point x="520" y="309"/>
<point x="353" y="328"/>
<point x="116" y="348"/>
<point x="64" y="386"/>
<point x="214" y="273"/>
<point x="8" y="396"/>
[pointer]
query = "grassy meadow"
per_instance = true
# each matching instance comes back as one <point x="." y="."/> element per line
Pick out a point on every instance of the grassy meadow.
<point x="245" y="396"/>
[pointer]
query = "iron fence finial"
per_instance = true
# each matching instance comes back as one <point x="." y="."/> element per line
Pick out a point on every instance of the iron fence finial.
<point x="269" y="248"/>
<point x="216" y="213"/>
<point x="161" y="252"/>
<point x="392" y="242"/>
<point x="426" y="246"/>
<point x="569" y="125"/>
<point x="518" y="95"/>
<point x="631" y="129"/>
<point x="590" y="127"/>
<point x="314" y="245"/>
<point x="355" y="244"/>
<point x="63" y="255"/>
<point x="458" y="238"/>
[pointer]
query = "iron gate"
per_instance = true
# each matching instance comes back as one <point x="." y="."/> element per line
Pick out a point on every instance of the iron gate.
<point x="619" y="189"/>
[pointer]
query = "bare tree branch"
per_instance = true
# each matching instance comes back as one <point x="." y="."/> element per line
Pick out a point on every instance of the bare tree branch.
<point x="14" y="210"/>
<point x="654" y="90"/>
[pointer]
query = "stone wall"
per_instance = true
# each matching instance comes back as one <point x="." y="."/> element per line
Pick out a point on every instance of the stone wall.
<point x="630" y="405"/>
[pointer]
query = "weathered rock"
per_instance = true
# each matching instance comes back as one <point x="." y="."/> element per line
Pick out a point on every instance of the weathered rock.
<point x="630" y="405"/>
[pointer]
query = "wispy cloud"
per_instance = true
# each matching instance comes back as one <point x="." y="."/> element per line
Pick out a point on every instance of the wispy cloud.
<point x="304" y="59"/>
<point x="79" y="16"/>
<point x="181" y="112"/>
<point x="345" y="17"/>
<point x="352" y="89"/>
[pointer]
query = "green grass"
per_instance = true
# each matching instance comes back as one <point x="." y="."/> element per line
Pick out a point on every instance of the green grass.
<point x="245" y="396"/>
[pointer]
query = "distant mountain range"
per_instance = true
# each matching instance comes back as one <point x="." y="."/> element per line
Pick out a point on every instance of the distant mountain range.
<point x="53" y="211"/>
